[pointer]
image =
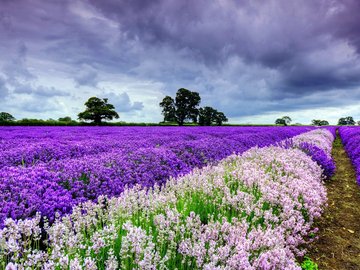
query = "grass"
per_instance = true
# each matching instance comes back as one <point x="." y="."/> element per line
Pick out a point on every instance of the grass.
<point x="308" y="264"/>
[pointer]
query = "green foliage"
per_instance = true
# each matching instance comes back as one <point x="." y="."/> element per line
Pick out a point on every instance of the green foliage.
<point x="285" y="120"/>
<point x="168" y="105"/>
<point x="280" y="121"/>
<point x="317" y="122"/>
<point x="52" y="122"/>
<point x="308" y="264"/>
<point x="220" y="118"/>
<point x="185" y="108"/>
<point x="209" y="116"/>
<point x="65" y="119"/>
<point x="346" y="121"/>
<point x="206" y="116"/>
<point x="6" y="117"/>
<point x="338" y="143"/>
<point x="40" y="122"/>
<point x="186" y="103"/>
<point x="98" y="109"/>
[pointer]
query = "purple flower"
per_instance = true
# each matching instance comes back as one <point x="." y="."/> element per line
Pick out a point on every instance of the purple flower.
<point x="51" y="169"/>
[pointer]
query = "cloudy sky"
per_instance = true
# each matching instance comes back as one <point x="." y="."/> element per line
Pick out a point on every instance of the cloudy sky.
<point x="254" y="60"/>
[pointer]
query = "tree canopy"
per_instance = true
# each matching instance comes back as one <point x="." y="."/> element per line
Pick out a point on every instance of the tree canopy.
<point x="209" y="116"/>
<point x="168" y="105"/>
<point x="6" y="117"/>
<point x="318" y="122"/>
<point x="346" y="121"/>
<point x="186" y="107"/>
<point x="285" y="120"/>
<point x="98" y="109"/>
<point x="65" y="119"/>
<point x="220" y="118"/>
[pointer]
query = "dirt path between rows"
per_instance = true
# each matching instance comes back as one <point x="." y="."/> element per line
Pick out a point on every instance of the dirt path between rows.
<point x="338" y="245"/>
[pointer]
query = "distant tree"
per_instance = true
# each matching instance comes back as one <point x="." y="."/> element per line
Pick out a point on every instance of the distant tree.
<point x="220" y="118"/>
<point x="6" y="117"/>
<point x="209" y="116"/>
<point x="346" y="121"/>
<point x="280" y="121"/>
<point x="317" y="122"/>
<point x="342" y="121"/>
<point x="285" y="120"/>
<point x="206" y="116"/>
<point x="324" y="123"/>
<point x="65" y="119"/>
<point x="186" y="106"/>
<point x="98" y="109"/>
<point x="168" y="105"/>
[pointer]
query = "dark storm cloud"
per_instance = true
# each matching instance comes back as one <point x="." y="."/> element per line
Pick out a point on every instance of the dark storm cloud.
<point x="347" y="25"/>
<point x="332" y="99"/>
<point x="275" y="34"/>
<point x="16" y="67"/>
<point x="5" y="22"/>
<point x="56" y="33"/>
<point x="244" y="57"/>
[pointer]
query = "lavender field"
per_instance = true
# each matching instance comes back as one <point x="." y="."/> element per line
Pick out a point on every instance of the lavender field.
<point x="350" y="137"/>
<point x="160" y="197"/>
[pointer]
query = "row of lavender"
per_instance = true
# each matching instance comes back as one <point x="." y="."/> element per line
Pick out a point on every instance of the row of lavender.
<point x="29" y="146"/>
<point x="350" y="137"/>
<point x="251" y="211"/>
<point x="50" y="170"/>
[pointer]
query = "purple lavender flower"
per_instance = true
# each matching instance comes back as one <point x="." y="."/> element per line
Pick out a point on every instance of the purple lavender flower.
<point x="51" y="169"/>
<point x="320" y="157"/>
<point x="350" y="137"/>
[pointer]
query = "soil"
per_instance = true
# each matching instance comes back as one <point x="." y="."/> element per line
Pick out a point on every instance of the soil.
<point x="338" y="243"/>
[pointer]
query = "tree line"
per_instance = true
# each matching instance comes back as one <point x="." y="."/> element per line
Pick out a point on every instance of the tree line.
<point x="185" y="108"/>
<point x="343" y="121"/>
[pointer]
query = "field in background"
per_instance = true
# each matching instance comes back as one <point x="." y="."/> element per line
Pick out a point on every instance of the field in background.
<point x="266" y="198"/>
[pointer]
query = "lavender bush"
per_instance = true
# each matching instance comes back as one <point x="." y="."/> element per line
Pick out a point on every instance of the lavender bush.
<point x="317" y="147"/>
<point x="251" y="211"/>
<point x="51" y="169"/>
<point x="320" y="157"/>
<point x="350" y="137"/>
